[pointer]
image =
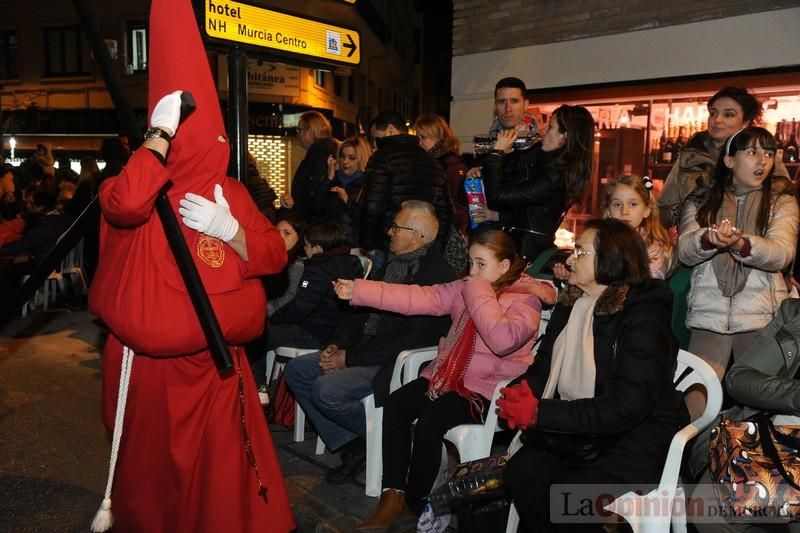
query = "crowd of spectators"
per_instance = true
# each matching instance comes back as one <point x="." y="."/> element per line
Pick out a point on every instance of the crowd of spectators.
<point x="40" y="199"/>
<point x="600" y="379"/>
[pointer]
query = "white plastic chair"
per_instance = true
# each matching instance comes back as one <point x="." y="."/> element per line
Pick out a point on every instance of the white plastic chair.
<point x="274" y="368"/>
<point x="366" y="264"/>
<point x="668" y="490"/>
<point x="288" y="352"/>
<point x="474" y="441"/>
<point x="374" y="416"/>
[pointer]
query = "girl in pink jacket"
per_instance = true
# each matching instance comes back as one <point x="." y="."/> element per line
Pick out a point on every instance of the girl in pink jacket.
<point x="495" y="312"/>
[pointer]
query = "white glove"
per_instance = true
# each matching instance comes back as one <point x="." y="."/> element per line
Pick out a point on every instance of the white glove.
<point x="205" y="216"/>
<point x="167" y="113"/>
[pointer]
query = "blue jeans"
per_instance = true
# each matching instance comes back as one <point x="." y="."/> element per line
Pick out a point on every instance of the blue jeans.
<point x="331" y="401"/>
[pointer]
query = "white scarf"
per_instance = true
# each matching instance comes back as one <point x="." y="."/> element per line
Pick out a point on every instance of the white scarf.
<point x="572" y="371"/>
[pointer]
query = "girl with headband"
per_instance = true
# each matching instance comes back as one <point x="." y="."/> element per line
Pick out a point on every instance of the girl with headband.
<point x="739" y="234"/>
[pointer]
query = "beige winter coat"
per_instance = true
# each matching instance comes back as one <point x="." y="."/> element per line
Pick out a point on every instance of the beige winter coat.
<point x="753" y="307"/>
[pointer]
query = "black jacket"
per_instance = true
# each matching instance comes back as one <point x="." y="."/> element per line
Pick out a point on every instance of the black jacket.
<point x="332" y="209"/>
<point x="395" y="332"/>
<point x="529" y="191"/>
<point x="316" y="307"/>
<point x="636" y="405"/>
<point x="312" y="168"/>
<point x="401" y="170"/>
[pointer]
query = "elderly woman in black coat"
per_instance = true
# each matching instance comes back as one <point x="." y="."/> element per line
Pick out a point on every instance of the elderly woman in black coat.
<point x="598" y="406"/>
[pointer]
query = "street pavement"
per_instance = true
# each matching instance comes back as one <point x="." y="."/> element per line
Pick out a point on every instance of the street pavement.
<point x="54" y="449"/>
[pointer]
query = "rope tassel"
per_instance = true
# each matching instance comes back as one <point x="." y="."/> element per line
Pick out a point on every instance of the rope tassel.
<point x="104" y="519"/>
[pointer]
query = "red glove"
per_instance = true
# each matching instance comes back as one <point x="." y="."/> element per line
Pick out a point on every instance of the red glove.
<point x="518" y="406"/>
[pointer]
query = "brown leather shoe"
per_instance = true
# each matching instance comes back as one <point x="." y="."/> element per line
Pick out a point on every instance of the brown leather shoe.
<point x="392" y="514"/>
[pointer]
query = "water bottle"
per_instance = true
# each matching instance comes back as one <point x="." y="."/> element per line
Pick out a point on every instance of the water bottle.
<point x="462" y="488"/>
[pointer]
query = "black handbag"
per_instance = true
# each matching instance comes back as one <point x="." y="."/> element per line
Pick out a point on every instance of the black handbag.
<point x="568" y="446"/>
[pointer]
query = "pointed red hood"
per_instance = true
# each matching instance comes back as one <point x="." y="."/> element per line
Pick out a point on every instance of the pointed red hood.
<point x="178" y="61"/>
<point x="197" y="159"/>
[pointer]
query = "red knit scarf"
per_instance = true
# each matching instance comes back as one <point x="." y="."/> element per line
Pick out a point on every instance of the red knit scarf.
<point x="450" y="366"/>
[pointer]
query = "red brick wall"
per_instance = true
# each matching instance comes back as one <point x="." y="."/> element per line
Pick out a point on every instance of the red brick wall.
<point x="484" y="25"/>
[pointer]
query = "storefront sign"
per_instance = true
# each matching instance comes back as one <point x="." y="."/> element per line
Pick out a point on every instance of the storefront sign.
<point x="274" y="79"/>
<point x="243" y="23"/>
<point x="686" y="113"/>
<point x="611" y="117"/>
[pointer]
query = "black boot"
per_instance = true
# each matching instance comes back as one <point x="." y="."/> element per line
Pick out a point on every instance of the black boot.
<point x="354" y="457"/>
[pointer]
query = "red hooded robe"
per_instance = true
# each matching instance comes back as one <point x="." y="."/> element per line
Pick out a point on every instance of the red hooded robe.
<point x="183" y="461"/>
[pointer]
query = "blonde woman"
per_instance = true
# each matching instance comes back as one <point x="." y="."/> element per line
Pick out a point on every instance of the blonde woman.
<point x="338" y="198"/>
<point x="436" y="137"/>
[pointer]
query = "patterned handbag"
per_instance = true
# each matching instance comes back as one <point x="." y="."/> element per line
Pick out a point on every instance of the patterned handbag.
<point x="755" y="467"/>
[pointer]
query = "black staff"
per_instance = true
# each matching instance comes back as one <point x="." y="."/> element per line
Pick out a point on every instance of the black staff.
<point x="194" y="285"/>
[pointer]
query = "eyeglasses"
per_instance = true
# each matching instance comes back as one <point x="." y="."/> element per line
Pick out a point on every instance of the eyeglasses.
<point x="394" y="227"/>
<point x="300" y="129"/>
<point x="578" y="252"/>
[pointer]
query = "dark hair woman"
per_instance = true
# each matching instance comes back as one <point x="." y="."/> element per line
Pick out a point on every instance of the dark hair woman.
<point x="729" y="110"/>
<point x="495" y="312"/>
<point x="533" y="188"/>
<point x="282" y="287"/>
<point x="598" y="405"/>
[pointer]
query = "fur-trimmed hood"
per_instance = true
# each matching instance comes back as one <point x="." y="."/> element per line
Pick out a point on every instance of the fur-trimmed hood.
<point x="616" y="296"/>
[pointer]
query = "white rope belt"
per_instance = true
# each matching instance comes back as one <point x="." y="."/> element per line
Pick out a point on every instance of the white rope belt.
<point x="103" y="520"/>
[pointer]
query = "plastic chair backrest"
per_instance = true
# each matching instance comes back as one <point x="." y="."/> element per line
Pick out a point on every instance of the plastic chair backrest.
<point x="538" y="264"/>
<point x="366" y="265"/>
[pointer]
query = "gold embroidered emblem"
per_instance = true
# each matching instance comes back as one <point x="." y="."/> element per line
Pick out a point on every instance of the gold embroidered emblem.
<point x="211" y="251"/>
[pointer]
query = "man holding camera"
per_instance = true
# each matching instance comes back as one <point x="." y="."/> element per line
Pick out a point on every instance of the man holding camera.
<point x="510" y="106"/>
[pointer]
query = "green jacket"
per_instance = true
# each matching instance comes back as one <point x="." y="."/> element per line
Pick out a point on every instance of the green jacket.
<point x="763" y="378"/>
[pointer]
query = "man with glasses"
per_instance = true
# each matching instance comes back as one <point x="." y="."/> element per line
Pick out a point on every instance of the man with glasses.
<point x="358" y="360"/>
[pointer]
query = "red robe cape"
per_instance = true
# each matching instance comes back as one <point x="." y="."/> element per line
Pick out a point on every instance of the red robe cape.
<point x="182" y="464"/>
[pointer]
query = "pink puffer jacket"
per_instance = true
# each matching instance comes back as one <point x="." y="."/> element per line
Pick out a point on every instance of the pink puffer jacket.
<point x="506" y="327"/>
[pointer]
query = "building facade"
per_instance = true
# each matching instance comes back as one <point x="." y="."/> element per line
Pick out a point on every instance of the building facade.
<point x="644" y="69"/>
<point x="52" y="91"/>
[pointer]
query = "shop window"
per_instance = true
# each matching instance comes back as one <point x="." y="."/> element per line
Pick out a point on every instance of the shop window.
<point x="273" y="156"/>
<point x="319" y="77"/>
<point x="8" y="55"/>
<point x="66" y="52"/>
<point x="137" y="47"/>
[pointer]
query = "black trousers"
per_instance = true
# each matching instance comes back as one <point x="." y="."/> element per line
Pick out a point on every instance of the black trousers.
<point x="633" y="463"/>
<point x="415" y="471"/>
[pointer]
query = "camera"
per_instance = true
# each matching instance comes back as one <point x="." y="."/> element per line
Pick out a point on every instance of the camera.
<point x="527" y="137"/>
<point x="483" y="144"/>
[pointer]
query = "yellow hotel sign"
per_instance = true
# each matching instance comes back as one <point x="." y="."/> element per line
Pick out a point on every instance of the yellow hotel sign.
<point x="243" y="23"/>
